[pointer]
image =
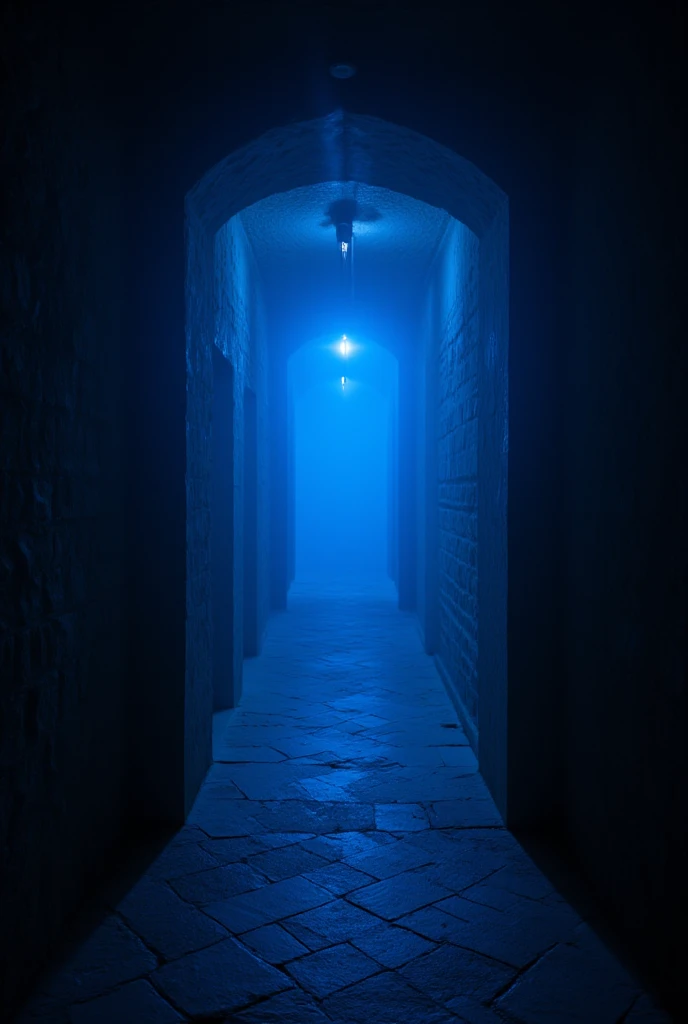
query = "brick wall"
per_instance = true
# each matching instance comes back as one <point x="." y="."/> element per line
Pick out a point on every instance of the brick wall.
<point x="453" y="317"/>
<point x="61" y="521"/>
<point x="241" y="335"/>
<point x="225" y="309"/>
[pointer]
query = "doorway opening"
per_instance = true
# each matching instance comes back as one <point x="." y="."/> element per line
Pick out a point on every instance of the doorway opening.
<point x="261" y="278"/>
<point x="342" y="392"/>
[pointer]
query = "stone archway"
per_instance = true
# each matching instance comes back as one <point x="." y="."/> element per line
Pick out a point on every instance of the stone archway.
<point x="375" y="152"/>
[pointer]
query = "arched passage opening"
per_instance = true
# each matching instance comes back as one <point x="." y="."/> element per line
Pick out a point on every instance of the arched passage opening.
<point x="343" y="394"/>
<point x="454" y="386"/>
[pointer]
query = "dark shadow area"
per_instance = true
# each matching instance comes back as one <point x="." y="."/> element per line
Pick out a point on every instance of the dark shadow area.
<point x="221" y="554"/>
<point x="551" y="852"/>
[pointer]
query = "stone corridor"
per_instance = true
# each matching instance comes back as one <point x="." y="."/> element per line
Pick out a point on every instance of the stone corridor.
<point x="343" y="863"/>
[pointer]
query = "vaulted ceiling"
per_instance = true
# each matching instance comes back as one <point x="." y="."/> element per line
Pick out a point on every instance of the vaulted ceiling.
<point x="293" y="237"/>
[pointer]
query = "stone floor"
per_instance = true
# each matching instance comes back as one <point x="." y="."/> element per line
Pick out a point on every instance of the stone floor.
<point x="343" y="864"/>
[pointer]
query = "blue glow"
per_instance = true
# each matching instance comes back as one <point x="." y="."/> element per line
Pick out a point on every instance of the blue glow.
<point x="341" y="471"/>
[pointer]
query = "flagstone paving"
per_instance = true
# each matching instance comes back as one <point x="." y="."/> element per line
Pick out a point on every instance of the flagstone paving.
<point x="343" y="863"/>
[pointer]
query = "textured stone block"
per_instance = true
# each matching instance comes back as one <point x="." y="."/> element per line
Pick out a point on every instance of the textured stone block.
<point x="397" y="896"/>
<point x="329" y="970"/>
<point x="449" y="972"/>
<point x="268" y="904"/>
<point x="218" y="883"/>
<point x="394" y="1001"/>
<point x="565" y="984"/>
<point x="111" y="955"/>
<point x="166" y="922"/>
<point x="273" y="944"/>
<point x="293" y="1007"/>
<point x="137" y="1001"/>
<point x="391" y="946"/>
<point x="220" y="979"/>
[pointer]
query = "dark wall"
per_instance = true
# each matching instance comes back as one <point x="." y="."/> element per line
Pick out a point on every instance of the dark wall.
<point x="224" y="311"/>
<point x="218" y="558"/>
<point x="458" y="354"/>
<point x="463" y="438"/>
<point x="241" y="332"/>
<point x="392" y="490"/>
<point x="625" y="459"/>
<point x="62" y="397"/>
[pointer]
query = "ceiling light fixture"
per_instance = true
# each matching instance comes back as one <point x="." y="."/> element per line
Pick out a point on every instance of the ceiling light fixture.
<point x="345" y="236"/>
<point x="345" y="243"/>
<point x="343" y="70"/>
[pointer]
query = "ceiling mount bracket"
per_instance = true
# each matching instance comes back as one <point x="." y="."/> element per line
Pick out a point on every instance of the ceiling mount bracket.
<point x="345" y="232"/>
<point x="343" y="70"/>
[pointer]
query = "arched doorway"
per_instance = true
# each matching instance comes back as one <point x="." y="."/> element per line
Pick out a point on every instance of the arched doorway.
<point x="379" y="154"/>
<point x="343" y="393"/>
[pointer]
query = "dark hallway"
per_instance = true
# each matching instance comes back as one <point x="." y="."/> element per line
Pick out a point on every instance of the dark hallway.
<point x="343" y="561"/>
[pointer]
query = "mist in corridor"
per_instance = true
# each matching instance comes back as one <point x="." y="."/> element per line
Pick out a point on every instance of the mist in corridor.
<point x="341" y="469"/>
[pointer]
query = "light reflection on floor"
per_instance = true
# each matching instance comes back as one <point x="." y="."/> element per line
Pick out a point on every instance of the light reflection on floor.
<point x="343" y="863"/>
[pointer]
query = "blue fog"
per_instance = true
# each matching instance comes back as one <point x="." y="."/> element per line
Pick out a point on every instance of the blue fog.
<point x="341" y="463"/>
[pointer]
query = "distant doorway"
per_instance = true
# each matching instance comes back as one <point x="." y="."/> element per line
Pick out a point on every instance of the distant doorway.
<point x="341" y="484"/>
<point x="341" y="462"/>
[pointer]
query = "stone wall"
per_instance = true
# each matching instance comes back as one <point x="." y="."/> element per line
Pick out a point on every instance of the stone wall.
<point x="62" y="757"/>
<point x="242" y="336"/>
<point x="453" y="316"/>
<point x="225" y="309"/>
